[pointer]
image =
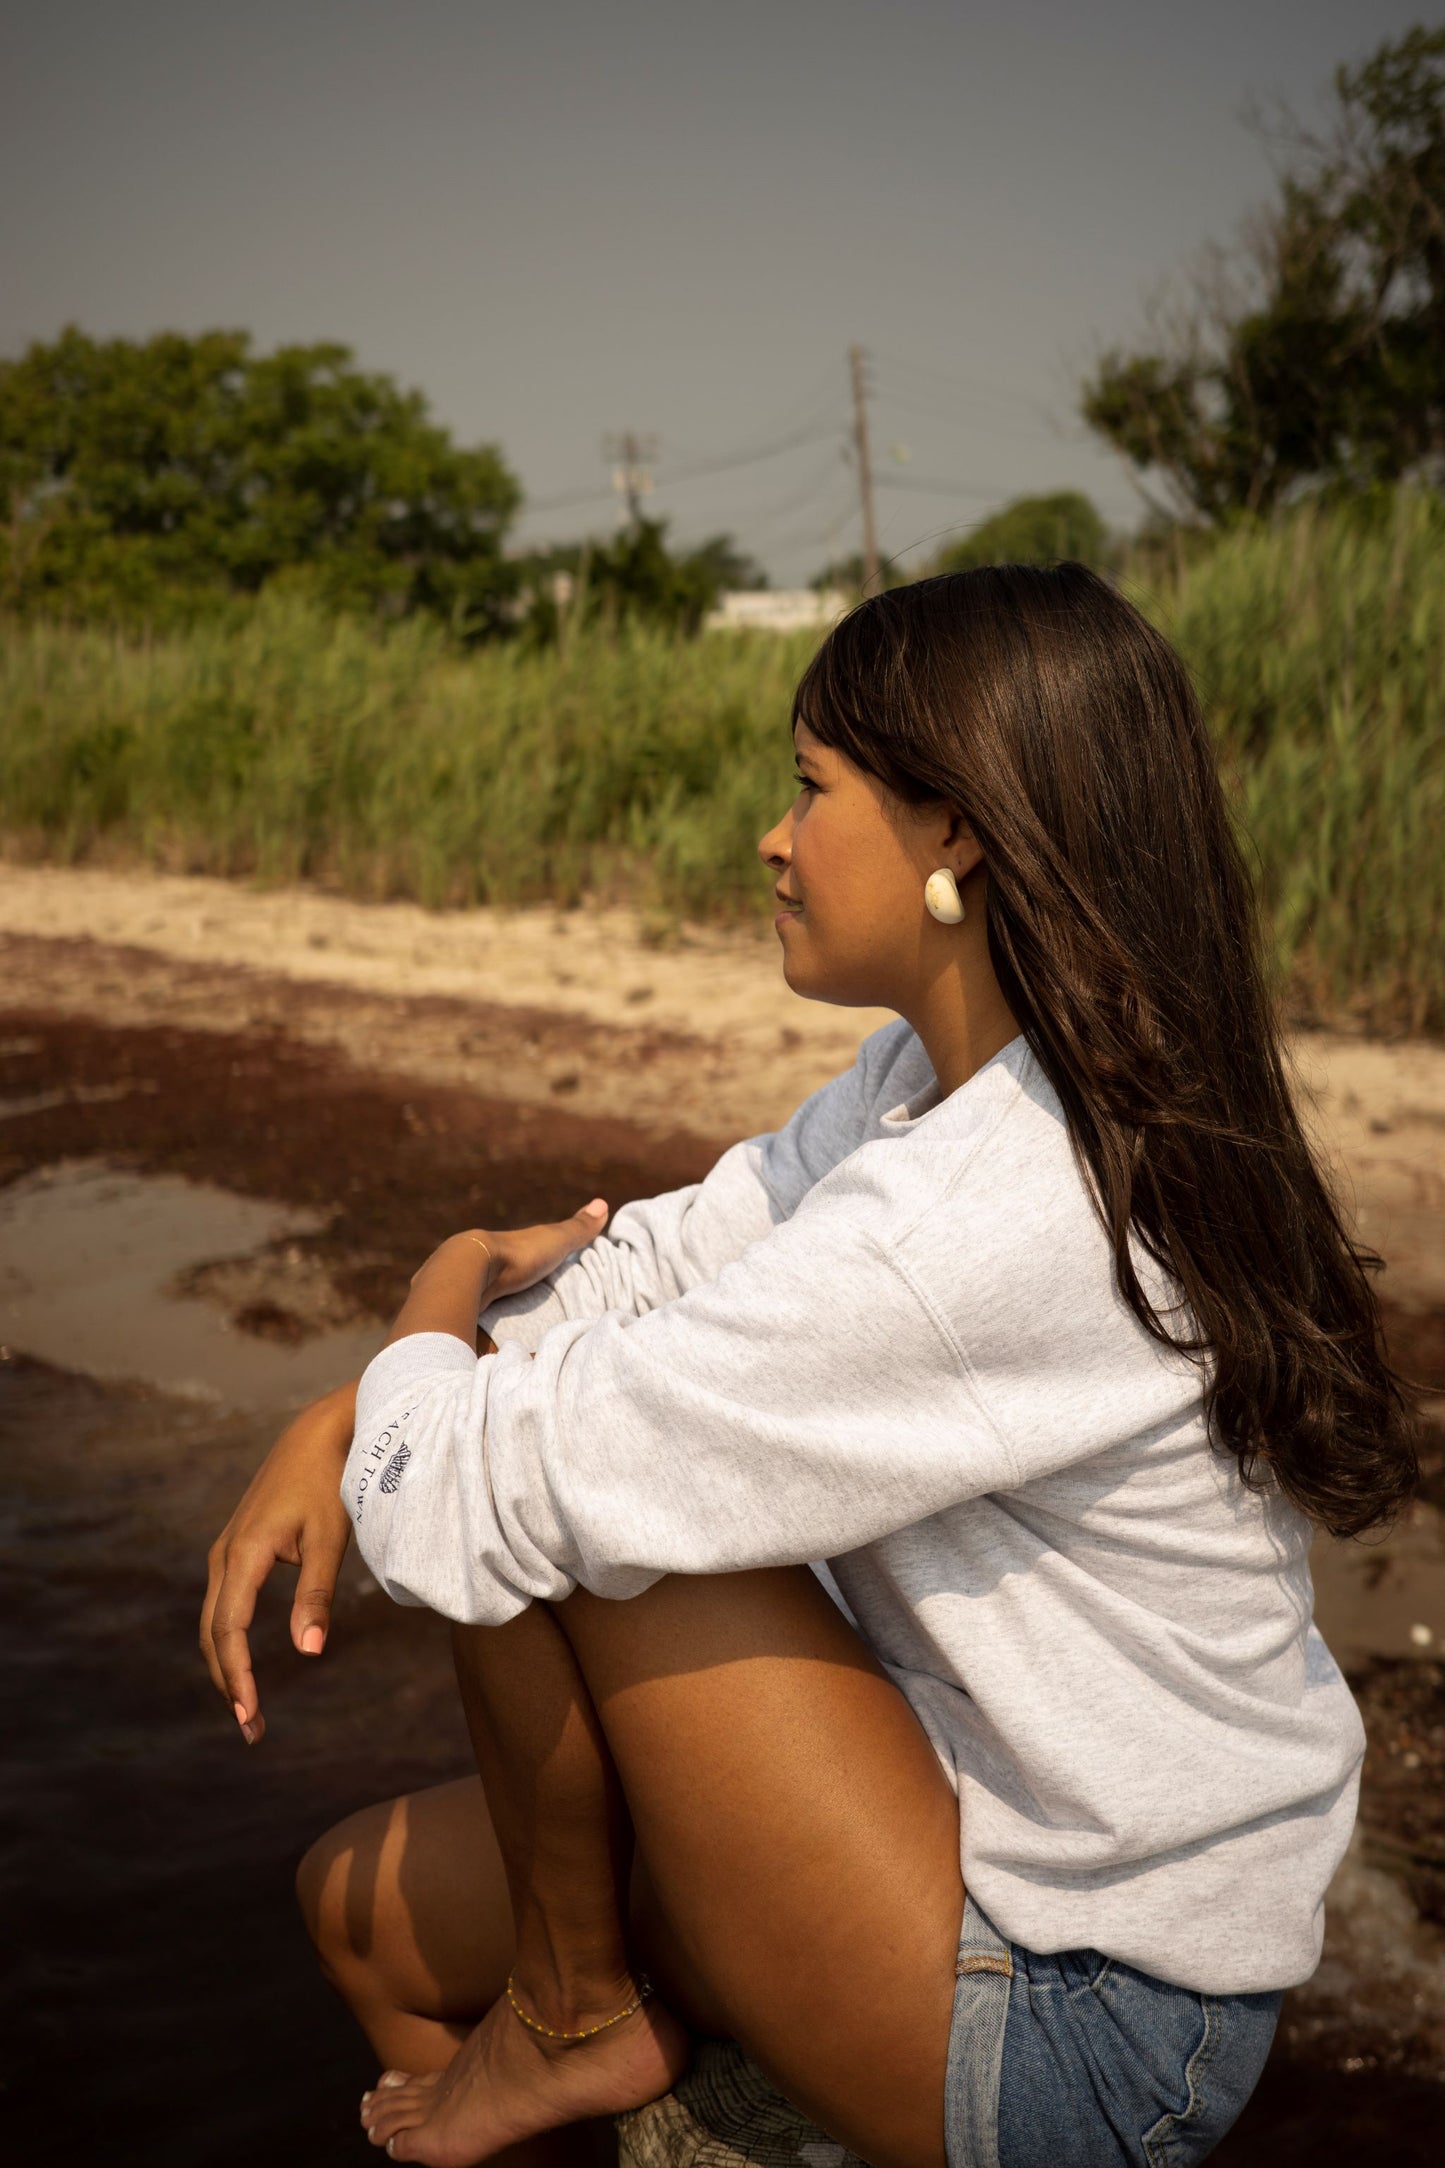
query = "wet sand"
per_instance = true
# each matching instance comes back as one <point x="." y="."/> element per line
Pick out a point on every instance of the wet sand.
<point x="186" y="1153"/>
<point x="660" y="1024"/>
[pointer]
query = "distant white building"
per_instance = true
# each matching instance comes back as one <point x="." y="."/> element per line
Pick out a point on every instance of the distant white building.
<point x="777" y="609"/>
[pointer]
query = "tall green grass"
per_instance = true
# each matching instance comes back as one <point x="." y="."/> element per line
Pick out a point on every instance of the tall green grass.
<point x="384" y="764"/>
<point x="1318" y="645"/>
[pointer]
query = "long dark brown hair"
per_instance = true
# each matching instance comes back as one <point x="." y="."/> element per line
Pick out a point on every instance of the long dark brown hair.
<point x="1123" y="927"/>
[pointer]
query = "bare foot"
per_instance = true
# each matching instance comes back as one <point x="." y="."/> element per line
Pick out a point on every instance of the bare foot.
<point x="505" y="2083"/>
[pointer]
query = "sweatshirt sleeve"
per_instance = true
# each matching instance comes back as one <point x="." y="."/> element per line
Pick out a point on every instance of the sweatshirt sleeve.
<point x="653" y="1250"/>
<point x="657" y="1248"/>
<point x="801" y="1403"/>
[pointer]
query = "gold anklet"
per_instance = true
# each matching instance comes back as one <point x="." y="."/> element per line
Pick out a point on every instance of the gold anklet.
<point x="570" y="2039"/>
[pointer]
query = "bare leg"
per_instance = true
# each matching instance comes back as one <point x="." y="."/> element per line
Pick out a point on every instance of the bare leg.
<point x="558" y="1812"/>
<point x="565" y="1844"/>
<point x="412" y="1907"/>
<point x="801" y="1843"/>
<point x="407" y="1905"/>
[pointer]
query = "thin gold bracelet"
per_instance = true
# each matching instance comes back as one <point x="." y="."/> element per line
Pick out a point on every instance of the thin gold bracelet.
<point x="571" y="2039"/>
<point x="481" y="1245"/>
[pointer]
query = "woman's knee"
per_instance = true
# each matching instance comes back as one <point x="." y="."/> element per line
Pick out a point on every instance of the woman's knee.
<point x="407" y="1904"/>
<point x="336" y="1888"/>
<point x="311" y="1877"/>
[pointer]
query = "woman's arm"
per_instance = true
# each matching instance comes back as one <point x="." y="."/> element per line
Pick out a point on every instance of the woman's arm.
<point x="657" y="1248"/>
<point x="805" y="1402"/>
<point x="292" y="1511"/>
<point x="446" y="1294"/>
<point x="654" y="1249"/>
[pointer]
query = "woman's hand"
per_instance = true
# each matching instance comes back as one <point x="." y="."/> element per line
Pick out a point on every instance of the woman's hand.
<point x="527" y="1254"/>
<point x="291" y="1512"/>
<point x="524" y="1255"/>
<point x="476" y="1266"/>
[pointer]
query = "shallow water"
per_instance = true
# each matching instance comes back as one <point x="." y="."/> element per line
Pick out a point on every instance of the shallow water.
<point x="160" y="2003"/>
<point x="92" y="1265"/>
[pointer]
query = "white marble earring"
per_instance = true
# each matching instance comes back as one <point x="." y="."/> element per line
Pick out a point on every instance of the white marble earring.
<point x="940" y="893"/>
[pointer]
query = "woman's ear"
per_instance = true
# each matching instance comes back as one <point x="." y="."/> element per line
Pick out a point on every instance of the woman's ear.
<point x="962" y="851"/>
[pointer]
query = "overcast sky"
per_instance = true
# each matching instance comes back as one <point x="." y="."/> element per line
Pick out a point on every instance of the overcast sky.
<point x="562" y="219"/>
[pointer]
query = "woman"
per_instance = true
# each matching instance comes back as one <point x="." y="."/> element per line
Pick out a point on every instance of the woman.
<point x="997" y="1838"/>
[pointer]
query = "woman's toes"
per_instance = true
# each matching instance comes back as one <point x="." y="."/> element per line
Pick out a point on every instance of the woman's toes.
<point x="397" y="2110"/>
<point x="382" y="2098"/>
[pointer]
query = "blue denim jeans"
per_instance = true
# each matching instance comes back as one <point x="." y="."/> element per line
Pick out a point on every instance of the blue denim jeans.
<point x="1077" y="2061"/>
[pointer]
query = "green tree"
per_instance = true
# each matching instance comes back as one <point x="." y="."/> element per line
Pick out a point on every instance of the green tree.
<point x="160" y="478"/>
<point x="1314" y="351"/>
<point x="1033" y="531"/>
<point x="634" y="578"/>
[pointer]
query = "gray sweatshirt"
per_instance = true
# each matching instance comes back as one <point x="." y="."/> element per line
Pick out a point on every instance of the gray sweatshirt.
<point x="889" y="1337"/>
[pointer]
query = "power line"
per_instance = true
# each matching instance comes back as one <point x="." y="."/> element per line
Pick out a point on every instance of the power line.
<point x="639" y="477"/>
<point x="567" y="500"/>
<point x="804" y="424"/>
<point x="951" y="382"/>
<point x="891" y="400"/>
<point x="936" y="489"/>
<point x="819" y="404"/>
<point x="748" y="459"/>
<point x="752" y="454"/>
<point x="772" y="526"/>
<point x="669" y="478"/>
<point x="809" y="536"/>
<point x="818" y="482"/>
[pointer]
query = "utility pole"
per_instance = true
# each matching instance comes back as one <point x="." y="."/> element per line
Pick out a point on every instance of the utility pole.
<point x="631" y="458"/>
<point x="865" y="471"/>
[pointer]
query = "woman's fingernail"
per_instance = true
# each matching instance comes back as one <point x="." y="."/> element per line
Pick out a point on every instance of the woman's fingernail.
<point x="311" y="1641"/>
<point x="248" y="1733"/>
<point x="240" y="1709"/>
<point x="598" y="1204"/>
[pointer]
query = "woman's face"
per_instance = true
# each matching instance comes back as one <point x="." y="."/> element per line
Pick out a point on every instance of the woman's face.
<point x="850" y="862"/>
